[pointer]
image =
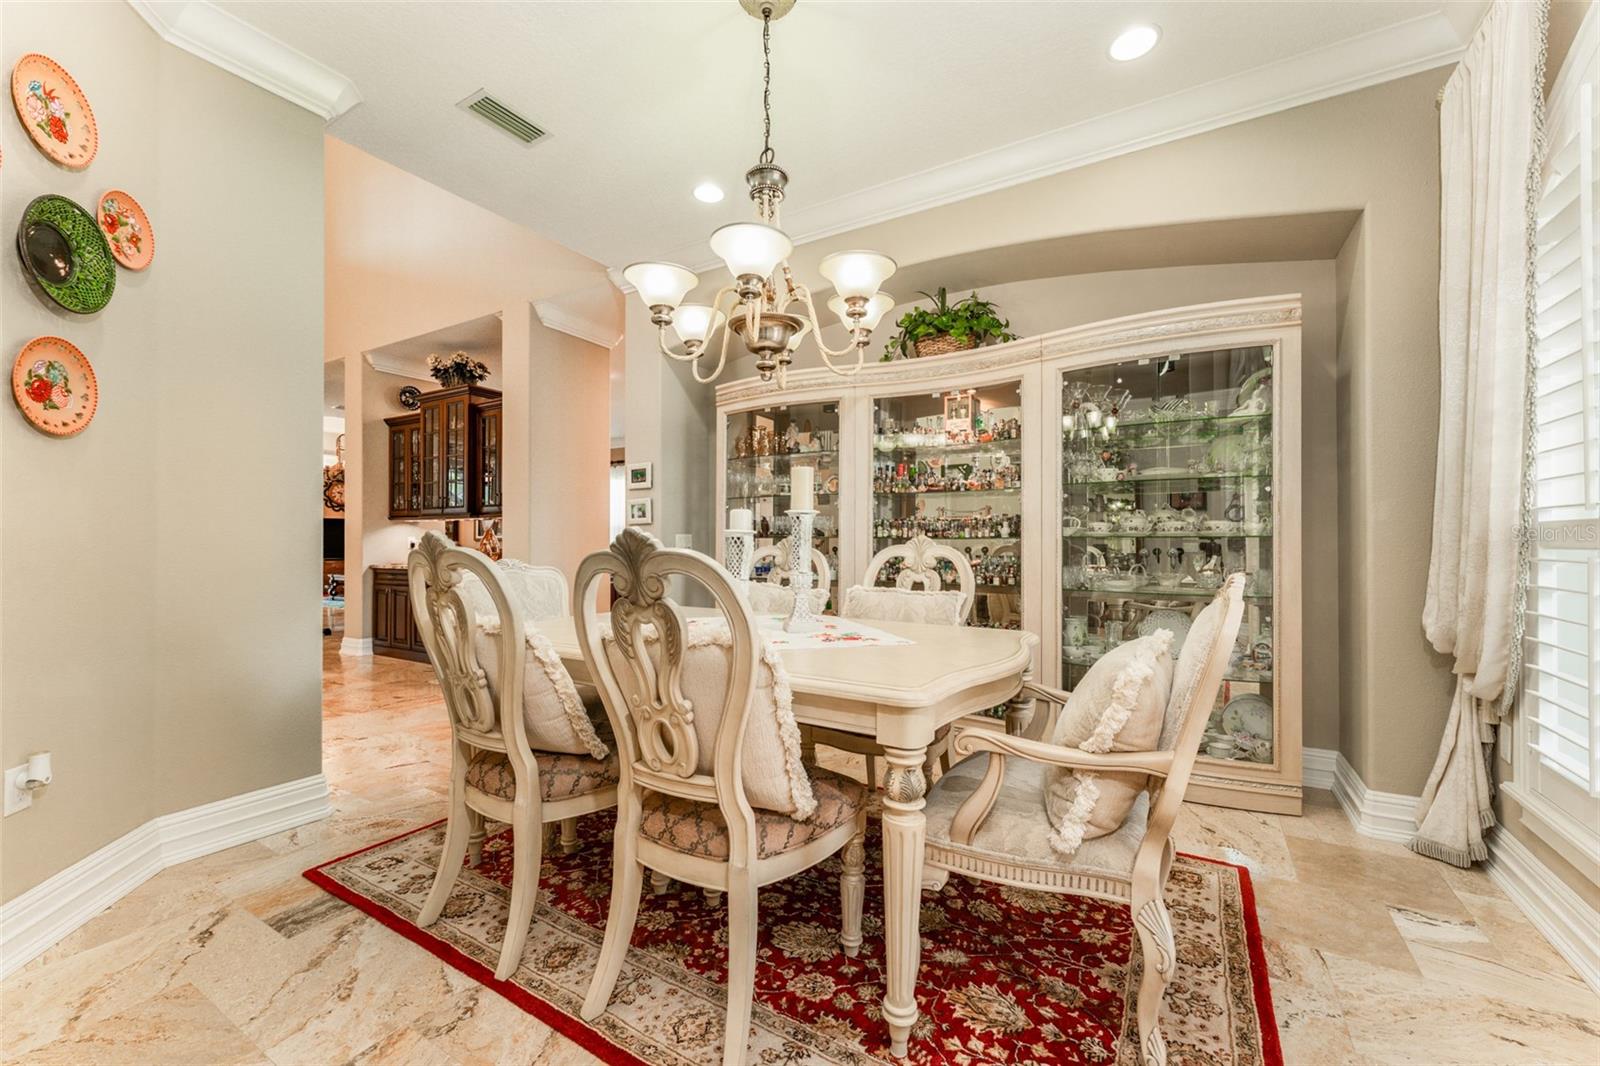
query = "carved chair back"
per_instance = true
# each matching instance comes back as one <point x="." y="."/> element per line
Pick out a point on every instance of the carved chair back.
<point x="480" y="716"/>
<point x="1166" y="795"/>
<point x="538" y="592"/>
<point x="919" y="568"/>
<point x="642" y="681"/>
<point x="779" y="573"/>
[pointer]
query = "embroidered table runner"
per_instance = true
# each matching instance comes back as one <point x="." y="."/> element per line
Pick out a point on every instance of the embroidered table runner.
<point x="830" y="633"/>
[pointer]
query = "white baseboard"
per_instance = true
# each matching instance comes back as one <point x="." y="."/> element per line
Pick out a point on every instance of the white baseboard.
<point x="45" y="914"/>
<point x="355" y="646"/>
<point x="1570" y="924"/>
<point x="1316" y="767"/>
<point x="1382" y="815"/>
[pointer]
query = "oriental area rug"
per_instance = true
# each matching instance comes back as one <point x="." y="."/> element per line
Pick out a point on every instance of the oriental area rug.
<point x="1008" y="975"/>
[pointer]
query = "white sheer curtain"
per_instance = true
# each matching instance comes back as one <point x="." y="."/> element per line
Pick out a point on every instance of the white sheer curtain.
<point x="1490" y="118"/>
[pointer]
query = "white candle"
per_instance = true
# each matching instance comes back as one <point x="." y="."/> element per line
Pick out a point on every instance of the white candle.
<point x="741" y="520"/>
<point x="802" y="488"/>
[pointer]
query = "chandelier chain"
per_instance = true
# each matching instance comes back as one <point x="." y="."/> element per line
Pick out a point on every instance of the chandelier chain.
<point x="766" y="85"/>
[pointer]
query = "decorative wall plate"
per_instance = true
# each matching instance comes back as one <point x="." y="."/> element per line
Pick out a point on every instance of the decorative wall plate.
<point x="54" y="386"/>
<point x="80" y="275"/>
<point x="54" y="111"/>
<point x="410" y="397"/>
<point x="127" y="229"/>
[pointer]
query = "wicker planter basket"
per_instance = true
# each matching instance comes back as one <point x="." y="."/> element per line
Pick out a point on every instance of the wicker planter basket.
<point x="943" y="344"/>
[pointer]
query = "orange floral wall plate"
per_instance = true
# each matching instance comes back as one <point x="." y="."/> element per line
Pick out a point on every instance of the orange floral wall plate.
<point x="55" y="386"/>
<point x="54" y="111"/>
<point x="127" y="229"/>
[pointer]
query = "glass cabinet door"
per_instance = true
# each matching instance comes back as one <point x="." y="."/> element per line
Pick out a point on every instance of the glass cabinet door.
<point x="1167" y="479"/>
<point x="949" y="466"/>
<point x="763" y="447"/>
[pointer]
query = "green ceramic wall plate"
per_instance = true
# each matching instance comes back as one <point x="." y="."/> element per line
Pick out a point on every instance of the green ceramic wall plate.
<point x="83" y="285"/>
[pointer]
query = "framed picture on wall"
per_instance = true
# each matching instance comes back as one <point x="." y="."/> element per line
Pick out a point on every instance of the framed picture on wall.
<point x="641" y="512"/>
<point x="641" y="476"/>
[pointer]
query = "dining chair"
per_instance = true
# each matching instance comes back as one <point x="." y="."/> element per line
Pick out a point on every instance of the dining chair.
<point x="494" y="771"/>
<point x="710" y="761"/>
<point x="918" y="596"/>
<point x="986" y="817"/>
<point x="773" y="594"/>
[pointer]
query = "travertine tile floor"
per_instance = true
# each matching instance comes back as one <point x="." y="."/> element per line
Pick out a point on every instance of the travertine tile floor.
<point x="1377" y="955"/>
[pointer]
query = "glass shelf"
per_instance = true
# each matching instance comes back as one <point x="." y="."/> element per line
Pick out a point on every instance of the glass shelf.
<point x="973" y="493"/>
<point x="1228" y="421"/>
<point x="1011" y="446"/>
<point x="1195" y="535"/>
<point x="1146" y="479"/>
<point x="1159" y="592"/>
<point x="823" y="458"/>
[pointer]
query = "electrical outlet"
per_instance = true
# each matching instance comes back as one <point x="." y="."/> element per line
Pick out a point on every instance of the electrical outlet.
<point x="17" y="797"/>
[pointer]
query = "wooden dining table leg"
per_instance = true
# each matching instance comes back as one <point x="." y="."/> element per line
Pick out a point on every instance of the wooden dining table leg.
<point x="904" y="834"/>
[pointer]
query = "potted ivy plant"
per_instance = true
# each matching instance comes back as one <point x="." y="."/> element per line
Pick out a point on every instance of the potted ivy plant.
<point x="947" y="327"/>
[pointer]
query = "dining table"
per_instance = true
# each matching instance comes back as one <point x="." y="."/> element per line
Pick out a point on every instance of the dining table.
<point x="900" y="695"/>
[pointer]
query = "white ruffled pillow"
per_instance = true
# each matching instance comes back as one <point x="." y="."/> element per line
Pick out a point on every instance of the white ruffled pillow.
<point x="553" y="713"/>
<point x="941" y="608"/>
<point x="1120" y="705"/>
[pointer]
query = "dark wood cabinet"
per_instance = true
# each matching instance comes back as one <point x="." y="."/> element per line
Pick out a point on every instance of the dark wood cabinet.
<point x="486" y="478"/>
<point x="394" y="626"/>
<point x="444" y="461"/>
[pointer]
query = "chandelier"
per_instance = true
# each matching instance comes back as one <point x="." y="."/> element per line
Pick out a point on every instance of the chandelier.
<point x="1090" y="412"/>
<point x="766" y="298"/>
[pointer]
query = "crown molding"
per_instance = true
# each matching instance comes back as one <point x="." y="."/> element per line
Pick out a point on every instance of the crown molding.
<point x="202" y="29"/>
<point x="591" y="314"/>
<point x="1409" y="47"/>
<point x="386" y="365"/>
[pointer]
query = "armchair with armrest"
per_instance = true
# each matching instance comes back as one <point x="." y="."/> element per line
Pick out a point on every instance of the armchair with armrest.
<point x="986" y="817"/>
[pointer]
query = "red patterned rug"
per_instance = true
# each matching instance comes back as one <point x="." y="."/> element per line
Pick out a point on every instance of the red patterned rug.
<point x="1008" y="975"/>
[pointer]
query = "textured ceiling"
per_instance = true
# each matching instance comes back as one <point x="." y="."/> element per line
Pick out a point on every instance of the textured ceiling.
<point x="644" y="100"/>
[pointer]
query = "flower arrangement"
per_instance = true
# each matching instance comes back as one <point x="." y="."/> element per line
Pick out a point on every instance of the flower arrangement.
<point x="457" y="368"/>
<point x="45" y="110"/>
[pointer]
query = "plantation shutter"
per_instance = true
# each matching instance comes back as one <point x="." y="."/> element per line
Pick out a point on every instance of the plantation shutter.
<point x="1561" y="678"/>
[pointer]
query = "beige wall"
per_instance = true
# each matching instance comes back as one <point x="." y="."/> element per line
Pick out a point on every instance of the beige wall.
<point x="404" y="258"/>
<point x="1372" y="152"/>
<point x="158" y="573"/>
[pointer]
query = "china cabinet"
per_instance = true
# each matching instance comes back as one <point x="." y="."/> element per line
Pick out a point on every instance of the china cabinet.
<point x="444" y="460"/>
<point x="1102" y="479"/>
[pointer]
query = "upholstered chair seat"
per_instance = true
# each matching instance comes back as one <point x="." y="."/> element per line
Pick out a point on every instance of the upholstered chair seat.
<point x="1017" y="831"/>
<point x="696" y="828"/>
<point x="562" y="775"/>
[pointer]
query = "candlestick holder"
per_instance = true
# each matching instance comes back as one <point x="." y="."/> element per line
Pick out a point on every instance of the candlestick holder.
<point x="738" y="553"/>
<point x="802" y="619"/>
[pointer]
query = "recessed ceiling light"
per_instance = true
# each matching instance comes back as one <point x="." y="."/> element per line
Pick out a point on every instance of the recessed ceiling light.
<point x="708" y="192"/>
<point x="1134" y="42"/>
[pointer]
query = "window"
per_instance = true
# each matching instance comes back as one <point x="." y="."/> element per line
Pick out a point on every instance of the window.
<point x="1556" y="777"/>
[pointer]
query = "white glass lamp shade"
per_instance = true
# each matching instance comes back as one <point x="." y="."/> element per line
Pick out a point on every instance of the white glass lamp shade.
<point x="857" y="273"/>
<point x="751" y="247"/>
<point x="877" y="307"/>
<point x="695" y="323"/>
<point x="660" y="284"/>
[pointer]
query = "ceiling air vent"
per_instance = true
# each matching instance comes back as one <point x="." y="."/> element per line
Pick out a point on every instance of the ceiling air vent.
<point x="502" y="117"/>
